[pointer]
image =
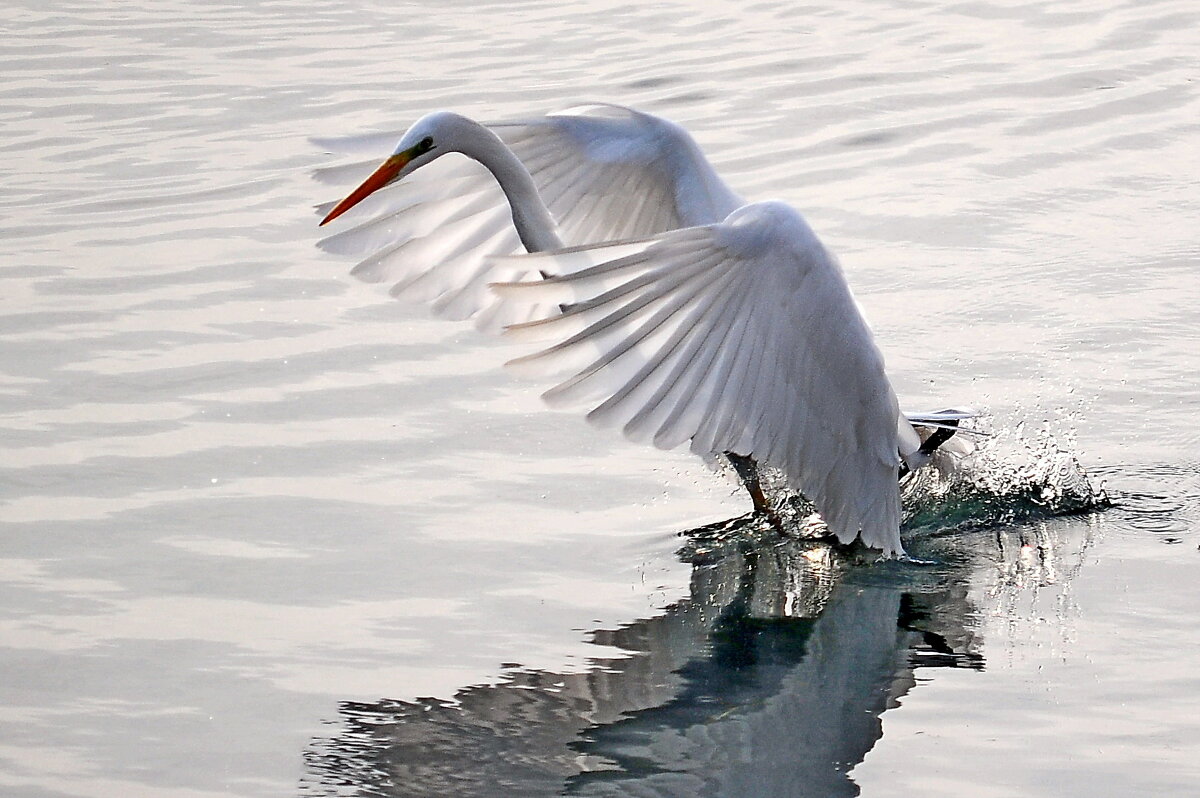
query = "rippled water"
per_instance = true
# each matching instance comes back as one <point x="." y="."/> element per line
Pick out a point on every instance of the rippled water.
<point x="267" y="532"/>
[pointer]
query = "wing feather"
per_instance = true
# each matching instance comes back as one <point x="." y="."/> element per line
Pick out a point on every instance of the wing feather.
<point x="678" y="376"/>
<point x="742" y="336"/>
<point x="708" y="374"/>
<point x="625" y="327"/>
<point x="644" y="350"/>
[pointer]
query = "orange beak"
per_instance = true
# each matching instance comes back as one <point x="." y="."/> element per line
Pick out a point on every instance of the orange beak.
<point x="378" y="179"/>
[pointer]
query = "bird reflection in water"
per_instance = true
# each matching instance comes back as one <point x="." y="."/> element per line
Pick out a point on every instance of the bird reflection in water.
<point x="769" y="680"/>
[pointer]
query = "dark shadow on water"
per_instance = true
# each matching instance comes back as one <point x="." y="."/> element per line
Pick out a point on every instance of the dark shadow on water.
<point x="769" y="680"/>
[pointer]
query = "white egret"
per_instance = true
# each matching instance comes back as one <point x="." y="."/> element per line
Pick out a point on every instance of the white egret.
<point x="687" y="314"/>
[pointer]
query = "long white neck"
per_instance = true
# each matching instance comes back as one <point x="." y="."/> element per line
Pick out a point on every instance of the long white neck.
<point x="530" y="215"/>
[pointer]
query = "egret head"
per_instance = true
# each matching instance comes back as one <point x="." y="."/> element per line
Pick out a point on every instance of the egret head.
<point x="431" y="136"/>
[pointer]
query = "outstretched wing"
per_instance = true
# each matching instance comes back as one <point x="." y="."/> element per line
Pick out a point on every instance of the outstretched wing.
<point x="605" y="172"/>
<point x="740" y="336"/>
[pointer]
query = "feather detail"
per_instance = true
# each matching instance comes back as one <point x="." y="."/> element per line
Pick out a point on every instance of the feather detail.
<point x="740" y="336"/>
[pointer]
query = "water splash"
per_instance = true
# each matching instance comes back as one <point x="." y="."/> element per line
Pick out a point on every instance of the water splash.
<point x="1009" y="477"/>
<point x="1003" y="477"/>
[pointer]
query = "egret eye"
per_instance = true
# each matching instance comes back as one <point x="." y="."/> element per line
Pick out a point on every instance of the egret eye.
<point x="426" y="144"/>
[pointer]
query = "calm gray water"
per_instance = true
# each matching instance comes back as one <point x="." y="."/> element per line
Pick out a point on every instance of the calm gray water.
<point x="264" y="531"/>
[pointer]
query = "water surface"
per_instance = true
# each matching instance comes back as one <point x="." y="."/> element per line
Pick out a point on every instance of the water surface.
<point x="269" y="532"/>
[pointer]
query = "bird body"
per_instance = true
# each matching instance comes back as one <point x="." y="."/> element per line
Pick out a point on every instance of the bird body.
<point x="679" y="313"/>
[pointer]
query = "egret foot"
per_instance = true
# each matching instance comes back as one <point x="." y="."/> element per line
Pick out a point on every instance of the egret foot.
<point x="747" y="471"/>
<point x="930" y="445"/>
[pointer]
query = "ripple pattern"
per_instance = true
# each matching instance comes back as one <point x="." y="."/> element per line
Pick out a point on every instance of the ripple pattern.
<point x="237" y="487"/>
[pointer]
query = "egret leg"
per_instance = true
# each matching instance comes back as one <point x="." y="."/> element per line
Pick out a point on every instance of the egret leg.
<point x="747" y="471"/>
